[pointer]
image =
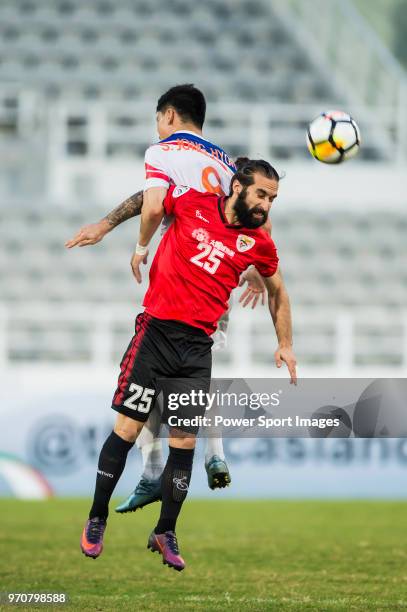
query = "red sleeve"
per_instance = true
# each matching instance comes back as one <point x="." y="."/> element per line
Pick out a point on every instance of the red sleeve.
<point x="169" y="201"/>
<point x="173" y="193"/>
<point x="267" y="258"/>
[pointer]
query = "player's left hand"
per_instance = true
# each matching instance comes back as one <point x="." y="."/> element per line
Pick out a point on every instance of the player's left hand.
<point x="255" y="289"/>
<point x="286" y="354"/>
<point x="135" y="263"/>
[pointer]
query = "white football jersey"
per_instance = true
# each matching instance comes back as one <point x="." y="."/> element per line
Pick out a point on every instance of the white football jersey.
<point x="184" y="158"/>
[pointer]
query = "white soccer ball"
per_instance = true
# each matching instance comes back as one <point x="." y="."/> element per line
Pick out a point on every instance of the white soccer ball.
<point x="333" y="137"/>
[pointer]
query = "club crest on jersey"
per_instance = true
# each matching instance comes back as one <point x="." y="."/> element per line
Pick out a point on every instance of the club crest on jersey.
<point x="179" y="191"/>
<point x="244" y="243"/>
<point x="201" y="235"/>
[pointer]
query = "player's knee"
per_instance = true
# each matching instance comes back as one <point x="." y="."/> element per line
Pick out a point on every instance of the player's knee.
<point x="181" y="439"/>
<point x="128" y="429"/>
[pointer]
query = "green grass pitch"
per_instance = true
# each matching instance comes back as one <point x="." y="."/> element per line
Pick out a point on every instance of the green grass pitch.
<point x="241" y="555"/>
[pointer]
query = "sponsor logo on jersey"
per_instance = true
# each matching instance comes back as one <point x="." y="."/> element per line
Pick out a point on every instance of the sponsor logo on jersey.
<point x="179" y="191"/>
<point x="199" y="215"/>
<point x="201" y="235"/>
<point x="222" y="247"/>
<point x="244" y="243"/>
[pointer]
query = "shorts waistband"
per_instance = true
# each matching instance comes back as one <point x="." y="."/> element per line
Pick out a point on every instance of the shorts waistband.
<point x="179" y="326"/>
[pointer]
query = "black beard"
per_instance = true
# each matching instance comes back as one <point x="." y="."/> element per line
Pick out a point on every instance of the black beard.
<point x="245" y="215"/>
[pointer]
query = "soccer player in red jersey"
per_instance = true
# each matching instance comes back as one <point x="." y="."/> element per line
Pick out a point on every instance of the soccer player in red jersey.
<point x="197" y="265"/>
<point x="183" y="156"/>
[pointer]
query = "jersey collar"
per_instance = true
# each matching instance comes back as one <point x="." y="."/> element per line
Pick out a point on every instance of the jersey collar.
<point x="188" y="132"/>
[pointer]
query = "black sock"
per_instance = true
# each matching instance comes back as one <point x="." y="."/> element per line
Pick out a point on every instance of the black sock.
<point x="112" y="460"/>
<point x="174" y="486"/>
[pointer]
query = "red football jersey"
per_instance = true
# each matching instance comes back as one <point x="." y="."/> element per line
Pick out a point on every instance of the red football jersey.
<point x="200" y="258"/>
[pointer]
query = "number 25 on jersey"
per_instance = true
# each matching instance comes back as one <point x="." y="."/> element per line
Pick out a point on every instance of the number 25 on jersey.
<point x="210" y="255"/>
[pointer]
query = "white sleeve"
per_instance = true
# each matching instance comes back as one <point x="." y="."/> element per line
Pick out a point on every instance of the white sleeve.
<point x="156" y="172"/>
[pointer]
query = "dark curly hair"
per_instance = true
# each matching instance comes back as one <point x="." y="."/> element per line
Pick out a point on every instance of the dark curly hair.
<point x="245" y="169"/>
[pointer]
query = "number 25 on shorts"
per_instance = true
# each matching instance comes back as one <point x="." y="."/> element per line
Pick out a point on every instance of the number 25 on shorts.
<point x="144" y="394"/>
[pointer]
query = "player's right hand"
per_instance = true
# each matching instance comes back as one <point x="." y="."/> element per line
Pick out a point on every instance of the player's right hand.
<point x="89" y="234"/>
<point x="135" y="263"/>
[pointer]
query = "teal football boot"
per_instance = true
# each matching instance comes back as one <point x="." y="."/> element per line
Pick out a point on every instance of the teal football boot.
<point x="218" y="473"/>
<point x="146" y="492"/>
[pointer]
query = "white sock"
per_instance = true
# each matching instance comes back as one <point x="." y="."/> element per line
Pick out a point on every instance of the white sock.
<point x="151" y="448"/>
<point x="153" y="460"/>
<point x="214" y="446"/>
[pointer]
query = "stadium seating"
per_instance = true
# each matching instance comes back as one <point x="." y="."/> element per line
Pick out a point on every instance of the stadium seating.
<point x="132" y="48"/>
<point x="119" y="54"/>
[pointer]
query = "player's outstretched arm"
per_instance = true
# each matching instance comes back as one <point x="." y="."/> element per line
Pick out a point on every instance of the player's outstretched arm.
<point x="95" y="232"/>
<point x="280" y="310"/>
<point x="151" y="216"/>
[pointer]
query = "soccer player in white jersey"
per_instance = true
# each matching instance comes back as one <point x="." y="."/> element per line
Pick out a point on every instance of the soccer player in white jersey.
<point x="181" y="157"/>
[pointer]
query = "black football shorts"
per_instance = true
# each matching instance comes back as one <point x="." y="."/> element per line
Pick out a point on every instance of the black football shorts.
<point x="168" y="356"/>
